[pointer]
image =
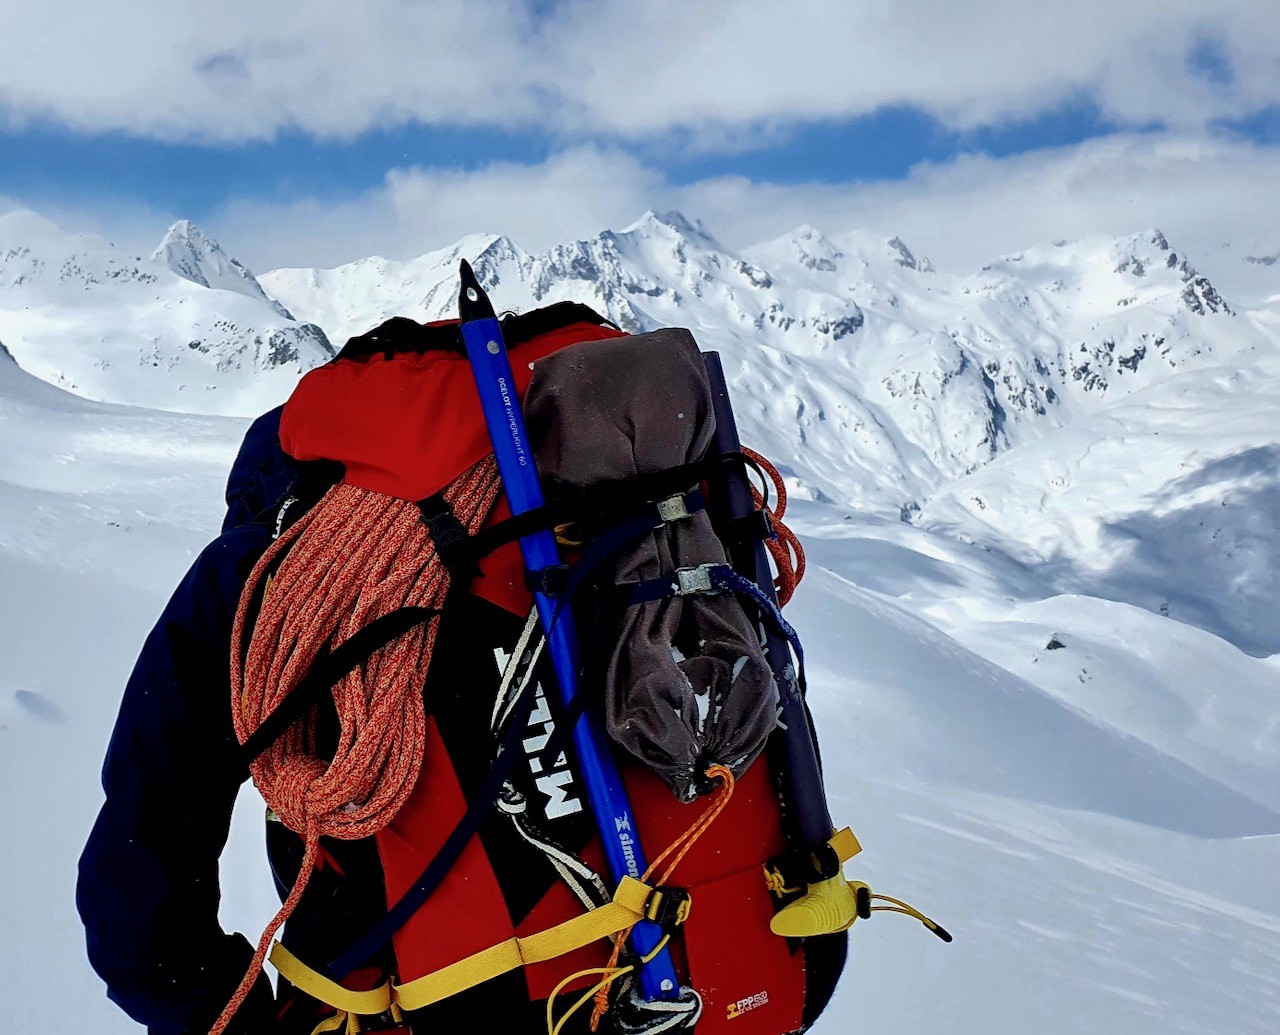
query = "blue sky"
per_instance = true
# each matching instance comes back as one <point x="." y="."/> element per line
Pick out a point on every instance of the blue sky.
<point x="53" y="163"/>
<point x="317" y="133"/>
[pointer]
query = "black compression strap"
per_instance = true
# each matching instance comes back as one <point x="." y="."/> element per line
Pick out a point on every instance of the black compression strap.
<point x="438" y="868"/>
<point x="486" y="795"/>
<point x="326" y="670"/>
<point x="602" y="502"/>
<point x="549" y="581"/>
<point x="752" y="528"/>
<point x="806" y="866"/>
<point x="454" y="544"/>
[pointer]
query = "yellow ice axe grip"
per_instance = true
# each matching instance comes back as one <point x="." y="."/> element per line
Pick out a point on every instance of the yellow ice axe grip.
<point x="826" y="907"/>
<point x="831" y="905"/>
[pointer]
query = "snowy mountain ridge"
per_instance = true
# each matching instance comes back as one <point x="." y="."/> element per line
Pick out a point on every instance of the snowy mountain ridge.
<point x="80" y="313"/>
<point x="877" y="379"/>
<point x="194" y="256"/>
<point x="884" y="378"/>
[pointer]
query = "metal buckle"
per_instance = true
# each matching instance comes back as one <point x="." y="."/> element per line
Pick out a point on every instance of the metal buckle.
<point x="694" y="580"/>
<point x="673" y="508"/>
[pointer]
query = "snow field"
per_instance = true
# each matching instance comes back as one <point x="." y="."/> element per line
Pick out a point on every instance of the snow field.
<point x="1097" y="823"/>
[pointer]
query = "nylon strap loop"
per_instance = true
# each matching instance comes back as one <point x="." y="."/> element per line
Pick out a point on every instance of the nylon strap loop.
<point x="846" y="845"/>
<point x="628" y="907"/>
<point x="316" y="985"/>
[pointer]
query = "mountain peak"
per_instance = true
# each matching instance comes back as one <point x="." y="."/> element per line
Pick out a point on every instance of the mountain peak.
<point x="665" y="223"/>
<point x="813" y="249"/>
<point x="907" y="259"/>
<point x="195" y="256"/>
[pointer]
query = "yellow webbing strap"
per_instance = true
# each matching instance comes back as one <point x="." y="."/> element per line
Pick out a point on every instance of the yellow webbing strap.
<point x="302" y="977"/>
<point x="845" y="844"/>
<point x="842" y="842"/>
<point x="626" y="908"/>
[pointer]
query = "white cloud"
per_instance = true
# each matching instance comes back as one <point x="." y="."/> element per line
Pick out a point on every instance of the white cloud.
<point x="711" y="70"/>
<point x="240" y="69"/>
<point x="573" y="194"/>
<point x="1202" y="191"/>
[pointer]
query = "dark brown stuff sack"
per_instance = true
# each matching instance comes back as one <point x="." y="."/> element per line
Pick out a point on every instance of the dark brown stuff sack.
<point x="686" y="682"/>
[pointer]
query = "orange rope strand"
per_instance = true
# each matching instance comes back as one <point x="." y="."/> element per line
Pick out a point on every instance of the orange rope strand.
<point x="679" y="848"/>
<point x="352" y="558"/>
<point x="786" y="551"/>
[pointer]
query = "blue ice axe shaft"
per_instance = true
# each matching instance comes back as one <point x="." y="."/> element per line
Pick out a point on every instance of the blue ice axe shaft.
<point x="500" y="401"/>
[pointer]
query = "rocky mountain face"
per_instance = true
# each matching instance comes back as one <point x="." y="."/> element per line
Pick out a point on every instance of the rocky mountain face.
<point x="80" y="313"/>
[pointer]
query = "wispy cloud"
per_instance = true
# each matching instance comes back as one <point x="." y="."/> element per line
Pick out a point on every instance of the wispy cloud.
<point x="699" y="72"/>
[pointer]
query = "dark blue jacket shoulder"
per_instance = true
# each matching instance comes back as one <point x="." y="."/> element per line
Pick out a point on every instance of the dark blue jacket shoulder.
<point x="148" y="882"/>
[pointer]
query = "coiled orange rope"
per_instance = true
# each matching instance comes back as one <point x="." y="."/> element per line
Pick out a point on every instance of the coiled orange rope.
<point x="786" y="551"/>
<point x="355" y="556"/>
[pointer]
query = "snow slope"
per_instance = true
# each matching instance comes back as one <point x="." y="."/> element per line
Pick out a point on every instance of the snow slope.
<point x="1082" y="788"/>
<point x="1169" y="499"/>
<point x="78" y="312"/>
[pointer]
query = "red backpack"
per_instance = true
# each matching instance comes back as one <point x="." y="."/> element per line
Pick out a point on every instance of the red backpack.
<point x="359" y="651"/>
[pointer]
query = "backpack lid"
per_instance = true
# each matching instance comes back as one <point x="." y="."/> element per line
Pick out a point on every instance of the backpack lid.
<point x="398" y="406"/>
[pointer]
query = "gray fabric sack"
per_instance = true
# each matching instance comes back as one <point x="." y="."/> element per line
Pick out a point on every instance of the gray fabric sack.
<point x="686" y="683"/>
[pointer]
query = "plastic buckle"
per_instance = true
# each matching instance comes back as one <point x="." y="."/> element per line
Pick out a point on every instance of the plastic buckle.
<point x="668" y="907"/>
<point x="549" y="581"/>
<point x="451" y="538"/>
<point x="825" y="861"/>
<point x="673" y="508"/>
<point x="695" y="580"/>
<point x="799" y="868"/>
<point x="755" y="527"/>
<point x="388" y="1022"/>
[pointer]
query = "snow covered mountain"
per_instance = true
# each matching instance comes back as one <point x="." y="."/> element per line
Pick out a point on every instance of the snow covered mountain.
<point x="1041" y="504"/>
<point x="195" y="257"/>
<point x="78" y="312"/>
<point x="882" y="377"/>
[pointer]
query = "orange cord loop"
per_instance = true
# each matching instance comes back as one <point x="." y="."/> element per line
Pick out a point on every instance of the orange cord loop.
<point x="675" y="851"/>
<point x="785" y="549"/>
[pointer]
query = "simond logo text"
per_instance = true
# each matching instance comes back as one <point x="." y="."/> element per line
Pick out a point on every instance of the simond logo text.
<point x="629" y="854"/>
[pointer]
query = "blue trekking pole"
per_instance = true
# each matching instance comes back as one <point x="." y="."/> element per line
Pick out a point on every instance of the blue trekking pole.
<point x="482" y="334"/>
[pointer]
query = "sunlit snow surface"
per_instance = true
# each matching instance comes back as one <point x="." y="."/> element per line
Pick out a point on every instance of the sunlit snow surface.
<point x="1098" y="824"/>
